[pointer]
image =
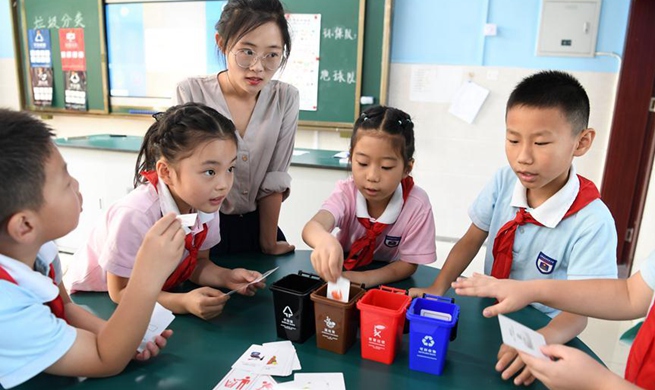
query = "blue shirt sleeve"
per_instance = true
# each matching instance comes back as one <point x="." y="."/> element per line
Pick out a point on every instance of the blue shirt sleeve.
<point x="32" y="337"/>
<point x="648" y="271"/>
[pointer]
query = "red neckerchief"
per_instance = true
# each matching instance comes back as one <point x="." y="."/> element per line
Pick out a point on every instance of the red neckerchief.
<point x="191" y="243"/>
<point x="361" y="251"/>
<point x="504" y="242"/>
<point x="56" y="305"/>
<point x="640" y="369"/>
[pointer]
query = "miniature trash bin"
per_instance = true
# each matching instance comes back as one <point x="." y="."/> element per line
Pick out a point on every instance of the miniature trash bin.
<point x="294" y="310"/>
<point x="431" y="320"/>
<point x="382" y="313"/>
<point x="336" y="322"/>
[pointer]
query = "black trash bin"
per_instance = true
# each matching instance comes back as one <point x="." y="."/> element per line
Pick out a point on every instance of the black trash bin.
<point x="294" y="309"/>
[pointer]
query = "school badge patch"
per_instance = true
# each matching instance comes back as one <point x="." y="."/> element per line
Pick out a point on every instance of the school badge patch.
<point x="391" y="241"/>
<point x="545" y="264"/>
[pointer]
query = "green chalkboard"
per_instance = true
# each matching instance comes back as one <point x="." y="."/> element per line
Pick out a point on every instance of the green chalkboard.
<point x="53" y="15"/>
<point x="354" y="55"/>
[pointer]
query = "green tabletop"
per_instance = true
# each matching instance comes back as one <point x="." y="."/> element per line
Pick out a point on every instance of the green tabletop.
<point x="201" y="352"/>
<point x="313" y="158"/>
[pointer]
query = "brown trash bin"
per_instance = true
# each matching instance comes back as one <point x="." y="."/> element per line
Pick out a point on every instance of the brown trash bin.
<point x="336" y="322"/>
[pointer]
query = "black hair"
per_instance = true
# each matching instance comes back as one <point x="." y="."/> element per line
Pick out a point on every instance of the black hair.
<point x="553" y="89"/>
<point x="391" y="121"/>
<point x="25" y="148"/>
<point x="177" y="132"/>
<point x="239" y="17"/>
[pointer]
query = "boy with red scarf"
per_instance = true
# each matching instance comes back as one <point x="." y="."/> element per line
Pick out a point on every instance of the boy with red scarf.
<point x="623" y="299"/>
<point x="543" y="220"/>
<point x="40" y="328"/>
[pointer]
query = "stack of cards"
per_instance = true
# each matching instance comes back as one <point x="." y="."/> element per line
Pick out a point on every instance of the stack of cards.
<point x="339" y="291"/>
<point x="315" y="381"/>
<point x="258" y="364"/>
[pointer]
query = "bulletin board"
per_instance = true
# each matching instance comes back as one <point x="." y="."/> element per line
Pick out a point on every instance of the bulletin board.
<point x="354" y="55"/>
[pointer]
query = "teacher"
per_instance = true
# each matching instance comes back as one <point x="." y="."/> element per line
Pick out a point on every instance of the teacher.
<point x="253" y="40"/>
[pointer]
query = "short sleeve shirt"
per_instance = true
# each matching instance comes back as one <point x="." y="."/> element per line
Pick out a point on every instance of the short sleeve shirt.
<point x="264" y="153"/>
<point x="114" y="242"/>
<point x="411" y="238"/>
<point x="582" y="246"/>
<point x="648" y="271"/>
<point x="32" y="337"/>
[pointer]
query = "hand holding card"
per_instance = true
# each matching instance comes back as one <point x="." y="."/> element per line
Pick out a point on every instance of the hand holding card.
<point x="339" y="291"/>
<point x="521" y="337"/>
<point x="259" y="279"/>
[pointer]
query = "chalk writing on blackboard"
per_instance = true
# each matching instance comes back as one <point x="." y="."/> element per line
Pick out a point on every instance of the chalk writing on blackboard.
<point x="339" y="33"/>
<point x="338" y="76"/>
<point x="55" y="21"/>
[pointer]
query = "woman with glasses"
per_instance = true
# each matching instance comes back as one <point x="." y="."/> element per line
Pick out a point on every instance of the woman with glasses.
<point x="253" y="37"/>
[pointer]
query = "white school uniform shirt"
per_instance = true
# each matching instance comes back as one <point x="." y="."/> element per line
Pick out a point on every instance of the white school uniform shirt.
<point x="32" y="337"/>
<point x="115" y="240"/>
<point x="264" y="153"/>
<point x="410" y="236"/>
<point x="582" y="246"/>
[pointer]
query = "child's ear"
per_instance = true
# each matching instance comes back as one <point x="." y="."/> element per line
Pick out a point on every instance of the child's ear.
<point x="408" y="168"/>
<point x="585" y="140"/>
<point x="21" y="227"/>
<point x="219" y="42"/>
<point x="164" y="171"/>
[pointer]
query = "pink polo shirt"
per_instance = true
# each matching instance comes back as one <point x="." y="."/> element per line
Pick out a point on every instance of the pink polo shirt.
<point x="114" y="242"/>
<point x="411" y="238"/>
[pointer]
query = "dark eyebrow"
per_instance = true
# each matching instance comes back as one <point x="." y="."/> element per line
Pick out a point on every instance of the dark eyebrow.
<point x="246" y="43"/>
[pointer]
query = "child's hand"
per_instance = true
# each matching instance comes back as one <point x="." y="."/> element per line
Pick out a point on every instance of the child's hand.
<point x="162" y="248"/>
<point x="327" y="259"/>
<point x="511" y="294"/>
<point x="571" y="369"/>
<point x="205" y="302"/>
<point x="509" y="363"/>
<point x="417" y="292"/>
<point x="152" y="349"/>
<point x="238" y="277"/>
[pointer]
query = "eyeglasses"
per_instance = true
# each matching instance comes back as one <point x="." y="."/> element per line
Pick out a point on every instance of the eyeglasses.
<point x="248" y="57"/>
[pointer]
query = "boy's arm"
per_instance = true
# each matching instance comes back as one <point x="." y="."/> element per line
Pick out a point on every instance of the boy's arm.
<point x="610" y="299"/>
<point x="392" y="272"/>
<point x="563" y="328"/>
<point x="269" y="215"/>
<point x="108" y="352"/>
<point x="327" y="256"/>
<point x="458" y="259"/>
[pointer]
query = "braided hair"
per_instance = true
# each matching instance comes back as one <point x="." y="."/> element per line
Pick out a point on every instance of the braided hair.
<point x="177" y="132"/>
<point x="391" y="121"/>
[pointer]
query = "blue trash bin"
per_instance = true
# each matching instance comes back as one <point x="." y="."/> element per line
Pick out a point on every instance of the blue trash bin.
<point x="429" y="333"/>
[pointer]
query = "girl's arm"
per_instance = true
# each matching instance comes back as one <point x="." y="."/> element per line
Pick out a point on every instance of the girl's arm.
<point x="327" y="256"/>
<point x="392" y="272"/>
<point x="203" y="302"/>
<point x="269" y="215"/>
<point x="209" y="274"/>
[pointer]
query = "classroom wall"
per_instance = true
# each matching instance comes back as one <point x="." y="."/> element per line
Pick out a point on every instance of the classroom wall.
<point x="443" y="40"/>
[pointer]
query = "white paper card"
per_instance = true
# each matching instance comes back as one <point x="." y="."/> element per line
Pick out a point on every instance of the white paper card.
<point x="320" y="381"/>
<point x="436" y="315"/>
<point x="264" y="276"/>
<point x="288" y="345"/>
<point x="467" y="101"/>
<point x="521" y="337"/>
<point x="339" y="291"/>
<point x="188" y="220"/>
<point x="160" y="319"/>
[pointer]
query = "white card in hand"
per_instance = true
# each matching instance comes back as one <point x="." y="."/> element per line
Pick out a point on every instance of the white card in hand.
<point x="339" y="291"/>
<point x="521" y="337"/>
<point x="160" y="319"/>
<point x="188" y="220"/>
<point x="264" y="276"/>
